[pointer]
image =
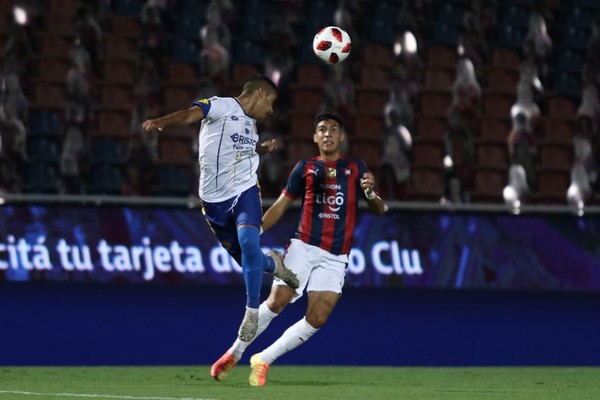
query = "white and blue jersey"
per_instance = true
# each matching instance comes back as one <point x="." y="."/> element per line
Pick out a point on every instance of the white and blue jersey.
<point x="227" y="149"/>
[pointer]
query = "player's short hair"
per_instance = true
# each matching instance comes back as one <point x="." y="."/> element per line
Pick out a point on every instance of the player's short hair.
<point x="329" y="115"/>
<point x="259" y="81"/>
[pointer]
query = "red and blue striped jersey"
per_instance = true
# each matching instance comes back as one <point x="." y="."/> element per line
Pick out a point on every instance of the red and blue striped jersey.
<point x="330" y="191"/>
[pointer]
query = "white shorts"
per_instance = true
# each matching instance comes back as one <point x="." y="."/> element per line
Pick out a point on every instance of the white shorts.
<point x="316" y="269"/>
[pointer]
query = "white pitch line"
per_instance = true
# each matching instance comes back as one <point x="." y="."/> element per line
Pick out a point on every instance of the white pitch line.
<point x="98" y="396"/>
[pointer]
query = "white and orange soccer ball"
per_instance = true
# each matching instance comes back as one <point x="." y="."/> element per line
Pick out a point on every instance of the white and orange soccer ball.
<point x="332" y="44"/>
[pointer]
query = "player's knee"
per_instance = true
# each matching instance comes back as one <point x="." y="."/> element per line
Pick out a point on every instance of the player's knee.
<point x="316" y="320"/>
<point x="249" y="239"/>
<point x="279" y="299"/>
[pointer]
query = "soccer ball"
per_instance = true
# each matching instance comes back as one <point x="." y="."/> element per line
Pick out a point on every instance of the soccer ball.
<point x="332" y="44"/>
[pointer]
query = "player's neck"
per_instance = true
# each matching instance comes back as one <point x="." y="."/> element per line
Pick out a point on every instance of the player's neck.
<point x="329" y="157"/>
<point x="247" y="103"/>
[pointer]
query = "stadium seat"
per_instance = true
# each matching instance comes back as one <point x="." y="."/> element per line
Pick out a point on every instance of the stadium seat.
<point x="557" y="157"/>
<point x="431" y="127"/>
<point x="552" y="186"/>
<point x="427" y="153"/>
<point x="119" y="47"/>
<point x="307" y="99"/>
<point x="375" y="77"/>
<point x="378" y="54"/>
<point x="181" y="72"/>
<point x="176" y="151"/>
<point x="107" y="179"/>
<point x="369" y="150"/>
<point x="437" y="78"/>
<point x="558" y="131"/>
<point x="125" y="26"/>
<point x="116" y="97"/>
<point x="130" y="8"/>
<point x="371" y="101"/>
<point x="426" y="184"/>
<point x="369" y="127"/>
<point x="112" y="122"/>
<point x="502" y="80"/>
<point x="107" y="150"/>
<point x="50" y="96"/>
<point x="497" y="104"/>
<point x="434" y="103"/>
<point x="43" y="149"/>
<point x="492" y="156"/>
<point x="44" y="122"/>
<point x="494" y="129"/>
<point x="115" y="71"/>
<point x="55" y="46"/>
<point x="441" y="56"/>
<point x="173" y="180"/>
<point x="310" y="75"/>
<point x="52" y="70"/>
<point x="503" y="58"/>
<point x="299" y="148"/>
<point x="489" y="185"/>
<point x="41" y="178"/>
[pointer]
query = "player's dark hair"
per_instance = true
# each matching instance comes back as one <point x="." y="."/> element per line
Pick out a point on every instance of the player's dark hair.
<point x="329" y="115"/>
<point x="258" y="81"/>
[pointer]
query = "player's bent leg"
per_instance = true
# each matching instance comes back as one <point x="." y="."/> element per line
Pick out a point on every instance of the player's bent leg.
<point x="320" y="306"/>
<point x="282" y="272"/>
<point x="258" y="374"/>
<point x="221" y="368"/>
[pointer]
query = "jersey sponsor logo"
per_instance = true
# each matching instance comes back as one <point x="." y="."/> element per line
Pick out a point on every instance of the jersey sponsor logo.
<point x="233" y="117"/>
<point x="313" y="171"/>
<point x="328" y="216"/>
<point x="241" y="139"/>
<point x="334" y="203"/>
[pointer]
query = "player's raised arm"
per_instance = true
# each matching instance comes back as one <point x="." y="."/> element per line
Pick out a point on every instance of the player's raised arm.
<point x="375" y="203"/>
<point x="181" y="117"/>
<point x="276" y="211"/>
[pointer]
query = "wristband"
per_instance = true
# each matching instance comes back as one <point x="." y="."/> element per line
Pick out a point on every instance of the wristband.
<point x="370" y="196"/>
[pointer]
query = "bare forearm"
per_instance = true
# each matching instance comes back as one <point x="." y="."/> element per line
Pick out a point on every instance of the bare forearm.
<point x="181" y="117"/>
<point x="271" y="217"/>
<point x="276" y="211"/>
<point x="376" y="205"/>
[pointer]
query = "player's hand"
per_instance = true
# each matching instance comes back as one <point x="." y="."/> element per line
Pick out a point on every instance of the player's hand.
<point x="152" y="125"/>
<point x="268" y="146"/>
<point x="367" y="182"/>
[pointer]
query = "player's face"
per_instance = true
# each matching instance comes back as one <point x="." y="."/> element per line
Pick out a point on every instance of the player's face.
<point x="264" y="105"/>
<point x="328" y="136"/>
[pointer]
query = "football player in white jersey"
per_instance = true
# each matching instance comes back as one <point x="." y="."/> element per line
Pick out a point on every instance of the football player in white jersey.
<point x="229" y="154"/>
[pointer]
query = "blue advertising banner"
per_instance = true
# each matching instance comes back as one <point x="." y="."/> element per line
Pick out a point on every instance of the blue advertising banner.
<point x="417" y="248"/>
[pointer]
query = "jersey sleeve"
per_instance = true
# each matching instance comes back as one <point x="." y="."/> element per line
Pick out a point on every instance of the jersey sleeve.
<point x="213" y="108"/>
<point x="295" y="183"/>
<point x="362" y="168"/>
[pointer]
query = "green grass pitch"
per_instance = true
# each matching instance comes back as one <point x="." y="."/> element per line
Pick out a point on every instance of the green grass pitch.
<point x="303" y="383"/>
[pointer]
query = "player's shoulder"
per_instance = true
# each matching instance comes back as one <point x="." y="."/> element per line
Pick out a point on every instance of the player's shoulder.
<point x="353" y="160"/>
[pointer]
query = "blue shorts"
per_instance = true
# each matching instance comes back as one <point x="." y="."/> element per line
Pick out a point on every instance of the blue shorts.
<point x="224" y="218"/>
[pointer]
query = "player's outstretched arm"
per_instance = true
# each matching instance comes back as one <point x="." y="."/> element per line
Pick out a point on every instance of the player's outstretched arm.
<point x="276" y="211"/>
<point x="181" y="117"/>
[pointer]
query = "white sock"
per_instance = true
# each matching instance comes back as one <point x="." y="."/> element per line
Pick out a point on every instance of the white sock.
<point x="265" y="316"/>
<point x="293" y="337"/>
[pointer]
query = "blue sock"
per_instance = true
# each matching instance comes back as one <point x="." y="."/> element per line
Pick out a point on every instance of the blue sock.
<point x="268" y="263"/>
<point x="252" y="263"/>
